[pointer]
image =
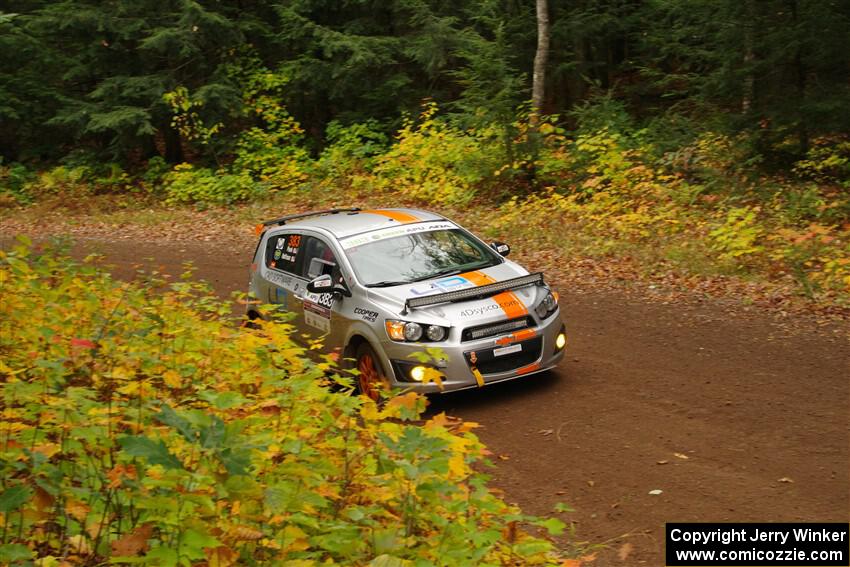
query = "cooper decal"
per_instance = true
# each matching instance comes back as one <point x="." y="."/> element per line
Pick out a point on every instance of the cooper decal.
<point x="366" y="314"/>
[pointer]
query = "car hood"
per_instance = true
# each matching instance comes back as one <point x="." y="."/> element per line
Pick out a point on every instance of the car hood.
<point x="505" y="305"/>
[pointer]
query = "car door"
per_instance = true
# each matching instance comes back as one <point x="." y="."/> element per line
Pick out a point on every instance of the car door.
<point x="321" y="312"/>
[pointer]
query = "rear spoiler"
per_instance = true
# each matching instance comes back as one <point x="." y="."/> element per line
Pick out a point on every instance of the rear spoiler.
<point x="469" y="293"/>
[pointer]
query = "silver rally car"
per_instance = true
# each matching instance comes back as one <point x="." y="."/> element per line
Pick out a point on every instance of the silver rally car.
<point x="379" y="285"/>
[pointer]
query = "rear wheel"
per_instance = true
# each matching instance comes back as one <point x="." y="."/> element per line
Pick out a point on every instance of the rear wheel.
<point x="371" y="377"/>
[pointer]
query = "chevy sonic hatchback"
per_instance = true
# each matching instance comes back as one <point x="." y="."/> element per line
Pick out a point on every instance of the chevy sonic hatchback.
<point x="380" y="285"/>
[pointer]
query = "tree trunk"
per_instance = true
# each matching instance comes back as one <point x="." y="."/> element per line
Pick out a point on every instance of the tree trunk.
<point x="173" y="145"/>
<point x="800" y="72"/>
<point x="749" y="58"/>
<point x="539" y="80"/>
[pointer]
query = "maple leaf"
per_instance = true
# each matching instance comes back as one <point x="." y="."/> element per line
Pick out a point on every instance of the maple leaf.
<point x="132" y="543"/>
<point x="221" y="556"/>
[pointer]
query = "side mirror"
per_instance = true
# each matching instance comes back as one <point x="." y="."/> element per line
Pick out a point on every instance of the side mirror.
<point x="325" y="284"/>
<point x="500" y="247"/>
<point x="322" y="284"/>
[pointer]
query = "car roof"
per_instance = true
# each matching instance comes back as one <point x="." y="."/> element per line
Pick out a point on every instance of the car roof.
<point x="348" y="223"/>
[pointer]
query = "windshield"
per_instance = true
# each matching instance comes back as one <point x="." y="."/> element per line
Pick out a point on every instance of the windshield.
<point x="418" y="257"/>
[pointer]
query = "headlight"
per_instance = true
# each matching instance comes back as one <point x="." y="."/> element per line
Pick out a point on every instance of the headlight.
<point x="412" y="332"/>
<point x="436" y="333"/>
<point x="402" y="331"/>
<point x="547" y="306"/>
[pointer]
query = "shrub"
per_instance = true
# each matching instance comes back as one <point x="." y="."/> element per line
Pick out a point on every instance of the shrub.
<point x="436" y="161"/>
<point x="351" y="148"/>
<point x="63" y="180"/>
<point x="13" y="184"/>
<point x="827" y="161"/>
<point x="140" y="426"/>
<point x="739" y="235"/>
<point x="187" y="184"/>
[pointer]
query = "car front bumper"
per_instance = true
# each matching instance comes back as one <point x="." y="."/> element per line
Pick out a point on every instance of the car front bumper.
<point x="497" y="359"/>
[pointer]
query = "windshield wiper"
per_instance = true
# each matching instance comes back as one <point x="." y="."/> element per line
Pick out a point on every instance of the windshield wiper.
<point x="450" y="272"/>
<point x="386" y="284"/>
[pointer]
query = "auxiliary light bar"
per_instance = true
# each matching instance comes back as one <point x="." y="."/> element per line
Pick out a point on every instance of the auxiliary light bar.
<point x="481" y="291"/>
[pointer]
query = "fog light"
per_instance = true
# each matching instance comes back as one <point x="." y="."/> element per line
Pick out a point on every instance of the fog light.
<point x="560" y="341"/>
<point x="417" y="373"/>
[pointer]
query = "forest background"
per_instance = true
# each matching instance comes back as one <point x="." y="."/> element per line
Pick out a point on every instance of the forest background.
<point x="710" y="136"/>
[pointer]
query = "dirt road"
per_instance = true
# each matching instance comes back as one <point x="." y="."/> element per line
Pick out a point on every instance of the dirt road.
<point x="732" y="417"/>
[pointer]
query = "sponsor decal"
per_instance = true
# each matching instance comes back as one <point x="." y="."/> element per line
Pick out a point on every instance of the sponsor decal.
<point x="392" y="232"/>
<point x="325" y="300"/>
<point x="323" y="283"/>
<point x="366" y="314"/>
<point x="507" y="350"/>
<point x="484" y="309"/>
<point x="507" y="300"/>
<point x="453" y="283"/>
<point x="317" y="310"/>
<point x="502" y="248"/>
<point x="473" y="358"/>
<point x="279" y="279"/>
<point x="317" y="321"/>
<point x="277" y="254"/>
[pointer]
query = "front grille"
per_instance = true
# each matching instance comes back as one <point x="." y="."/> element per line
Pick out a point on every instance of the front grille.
<point x="487" y="363"/>
<point x="493" y="329"/>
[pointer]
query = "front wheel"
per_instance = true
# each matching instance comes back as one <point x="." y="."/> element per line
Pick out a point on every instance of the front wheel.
<point x="371" y="376"/>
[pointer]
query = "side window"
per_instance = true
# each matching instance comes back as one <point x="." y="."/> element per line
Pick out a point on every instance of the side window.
<point x="285" y="252"/>
<point x="319" y="259"/>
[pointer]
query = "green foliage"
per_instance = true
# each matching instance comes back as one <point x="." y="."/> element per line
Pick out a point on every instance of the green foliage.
<point x="351" y="148"/>
<point x="827" y="161"/>
<point x="140" y="426"/>
<point x="272" y="151"/>
<point x="13" y="182"/>
<point x="436" y="161"/>
<point x="187" y="184"/>
<point x="187" y="120"/>
<point x="738" y="235"/>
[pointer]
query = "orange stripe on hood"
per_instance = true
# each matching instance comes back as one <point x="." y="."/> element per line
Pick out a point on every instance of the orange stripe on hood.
<point x="403" y="218"/>
<point x="507" y="300"/>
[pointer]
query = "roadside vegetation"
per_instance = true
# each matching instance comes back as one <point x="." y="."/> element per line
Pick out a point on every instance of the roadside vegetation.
<point x="140" y="425"/>
<point x="603" y="189"/>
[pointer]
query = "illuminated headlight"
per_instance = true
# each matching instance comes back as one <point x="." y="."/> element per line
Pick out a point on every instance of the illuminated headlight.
<point x="436" y="333"/>
<point x="547" y="306"/>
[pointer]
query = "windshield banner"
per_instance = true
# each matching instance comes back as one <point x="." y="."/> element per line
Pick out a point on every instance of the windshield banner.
<point x="394" y="231"/>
